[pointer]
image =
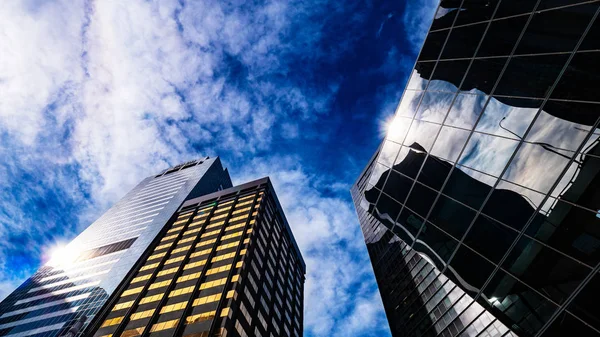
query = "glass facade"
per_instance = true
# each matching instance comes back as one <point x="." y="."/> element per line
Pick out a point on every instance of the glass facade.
<point x="480" y="209"/>
<point x="225" y="265"/>
<point x="64" y="295"/>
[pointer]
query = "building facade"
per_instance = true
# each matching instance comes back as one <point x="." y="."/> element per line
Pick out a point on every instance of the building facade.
<point x="226" y="264"/>
<point x="480" y="209"/>
<point x="64" y="295"/>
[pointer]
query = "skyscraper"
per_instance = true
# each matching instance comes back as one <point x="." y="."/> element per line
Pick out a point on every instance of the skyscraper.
<point x="226" y="264"/>
<point x="480" y="209"/>
<point x="64" y="295"/>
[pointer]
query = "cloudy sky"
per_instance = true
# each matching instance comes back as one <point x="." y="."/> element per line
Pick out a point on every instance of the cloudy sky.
<point x="96" y="95"/>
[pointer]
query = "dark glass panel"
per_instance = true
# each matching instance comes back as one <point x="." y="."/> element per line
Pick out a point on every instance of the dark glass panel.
<point x="544" y="269"/>
<point x="432" y="46"/>
<point x="445" y="15"/>
<point x="571" y="230"/>
<point x="531" y="76"/>
<point x="490" y="238"/>
<point x="592" y="39"/>
<point x="447" y="76"/>
<point x="473" y="269"/>
<point x="468" y="186"/>
<point x="556" y="30"/>
<point x="463" y="41"/>
<point x="435" y="244"/>
<point x="387" y="210"/>
<point x="547" y="4"/>
<point x="585" y="304"/>
<point x="421" y="199"/>
<point x="501" y="36"/>
<point x="483" y="74"/>
<point x="515" y="7"/>
<point x="473" y="11"/>
<point x="517" y="305"/>
<point x="580" y="82"/>
<point x="451" y="216"/>
<point x="567" y="325"/>
<point x="409" y="224"/>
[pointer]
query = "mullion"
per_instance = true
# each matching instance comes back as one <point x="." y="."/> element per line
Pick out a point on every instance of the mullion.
<point x="213" y="325"/>
<point x="186" y="259"/>
<point x="126" y="318"/>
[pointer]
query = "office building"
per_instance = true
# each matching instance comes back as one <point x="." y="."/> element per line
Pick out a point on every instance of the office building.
<point x="65" y="294"/>
<point x="480" y="209"/>
<point x="226" y="264"/>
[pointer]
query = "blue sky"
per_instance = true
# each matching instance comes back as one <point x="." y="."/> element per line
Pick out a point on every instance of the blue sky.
<point x="95" y="96"/>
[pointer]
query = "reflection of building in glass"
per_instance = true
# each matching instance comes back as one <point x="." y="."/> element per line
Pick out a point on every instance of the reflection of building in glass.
<point x="63" y="296"/>
<point x="227" y="264"/>
<point x="480" y="208"/>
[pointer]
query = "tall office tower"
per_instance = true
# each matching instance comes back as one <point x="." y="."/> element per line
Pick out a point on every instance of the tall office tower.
<point x="226" y="264"/>
<point x="64" y="295"/>
<point x="480" y="207"/>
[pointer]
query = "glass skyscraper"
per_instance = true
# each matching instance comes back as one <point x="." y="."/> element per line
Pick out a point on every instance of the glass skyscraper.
<point x="64" y="295"/>
<point x="226" y="264"/>
<point x="480" y="209"/>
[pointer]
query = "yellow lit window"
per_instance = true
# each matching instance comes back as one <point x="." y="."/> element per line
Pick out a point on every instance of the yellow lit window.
<point x="182" y="249"/>
<point x="183" y="220"/>
<point x="166" y="245"/>
<point x="214" y="283"/>
<point x="167" y="238"/>
<point x="191" y="238"/>
<point x="141" y="278"/>
<point x="188" y="277"/>
<point x="205" y="242"/>
<point x="219" y="216"/>
<point x="249" y="230"/>
<point x="149" y="266"/>
<point x="201" y="252"/>
<point x="215" y="232"/>
<point x="216" y="224"/>
<point x="150" y="299"/>
<point x="238" y="218"/>
<point x="174" y="229"/>
<point x="167" y="271"/>
<point x="112" y="321"/>
<point x="196" y="223"/>
<point x="175" y="259"/>
<point x="239" y="264"/>
<point x="246" y="240"/>
<point x="235" y="278"/>
<point x="246" y="197"/>
<point x="252" y="222"/>
<point x="200" y="317"/>
<point x="228" y="245"/>
<point x="141" y="314"/>
<point x="131" y="291"/>
<point x="133" y="332"/>
<point x="224" y="312"/>
<point x="173" y="307"/>
<point x="241" y="204"/>
<point x="194" y="264"/>
<point x="191" y="231"/>
<point x="164" y="325"/>
<point x="238" y="211"/>
<point x="156" y="256"/>
<point x="181" y="291"/>
<point x="233" y="235"/>
<point x="159" y="284"/>
<point x="235" y="226"/>
<point x="109" y="335"/>
<point x="123" y="305"/>
<point x="206" y="299"/>
<point x="218" y="270"/>
<point x="230" y="293"/>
